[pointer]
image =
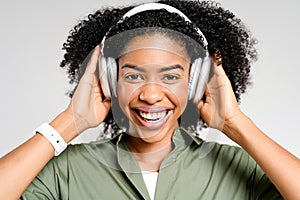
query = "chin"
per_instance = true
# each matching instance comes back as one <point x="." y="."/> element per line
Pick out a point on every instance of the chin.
<point x="152" y="135"/>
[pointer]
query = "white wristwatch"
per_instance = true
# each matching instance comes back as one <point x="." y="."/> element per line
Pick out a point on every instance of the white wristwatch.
<point x="53" y="137"/>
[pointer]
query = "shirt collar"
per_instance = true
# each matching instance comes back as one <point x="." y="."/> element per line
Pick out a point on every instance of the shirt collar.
<point x="181" y="139"/>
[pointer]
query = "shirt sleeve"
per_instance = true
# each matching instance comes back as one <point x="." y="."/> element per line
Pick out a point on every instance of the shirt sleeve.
<point x="261" y="188"/>
<point x="51" y="182"/>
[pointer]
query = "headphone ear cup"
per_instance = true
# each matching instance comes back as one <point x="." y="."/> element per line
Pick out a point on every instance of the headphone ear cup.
<point x="103" y="73"/>
<point x="112" y="75"/>
<point x="202" y="79"/>
<point x="194" y="74"/>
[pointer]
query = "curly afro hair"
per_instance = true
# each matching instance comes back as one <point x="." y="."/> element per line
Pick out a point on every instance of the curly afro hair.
<point x="224" y="32"/>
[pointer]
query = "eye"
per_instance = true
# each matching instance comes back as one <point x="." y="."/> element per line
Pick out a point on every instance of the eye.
<point x="171" y="77"/>
<point x="133" y="77"/>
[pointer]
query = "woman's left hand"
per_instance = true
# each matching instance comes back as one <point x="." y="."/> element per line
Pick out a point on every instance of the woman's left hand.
<point x="220" y="110"/>
<point x="220" y="107"/>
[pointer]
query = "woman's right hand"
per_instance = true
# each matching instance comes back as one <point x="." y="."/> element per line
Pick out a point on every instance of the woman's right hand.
<point x="87" y="107"/>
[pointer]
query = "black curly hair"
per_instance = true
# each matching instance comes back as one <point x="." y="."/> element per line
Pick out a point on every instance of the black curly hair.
<point x="222" y="29"/>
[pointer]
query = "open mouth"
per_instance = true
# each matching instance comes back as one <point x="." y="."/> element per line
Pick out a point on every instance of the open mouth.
<point x="152" y="118"/>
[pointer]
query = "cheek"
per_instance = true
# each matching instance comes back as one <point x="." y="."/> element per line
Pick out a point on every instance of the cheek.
<point x="126" y="92"/>
<point x="180" y="92"/>
<point x="123" y="96"/>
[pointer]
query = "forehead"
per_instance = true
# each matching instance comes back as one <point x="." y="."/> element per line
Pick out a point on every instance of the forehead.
<point x="153" y="57"/>
<point x="154" y="49"/>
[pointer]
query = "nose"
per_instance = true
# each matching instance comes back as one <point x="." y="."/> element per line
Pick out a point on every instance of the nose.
<point x="151" y="93"/>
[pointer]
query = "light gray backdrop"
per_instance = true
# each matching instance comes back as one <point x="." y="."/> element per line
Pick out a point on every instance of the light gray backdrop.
<point x="33" y="86"/>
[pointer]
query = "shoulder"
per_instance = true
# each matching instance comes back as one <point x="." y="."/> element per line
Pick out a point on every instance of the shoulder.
<point x="86" y="150"/>
<point x="101" y="152"/>
<point x="223" y="155"/>
<point x="213" y="154"/>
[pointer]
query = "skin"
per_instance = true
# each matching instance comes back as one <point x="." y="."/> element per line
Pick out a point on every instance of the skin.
<point x="87" y="109"/>
<point x="152" y="77"/>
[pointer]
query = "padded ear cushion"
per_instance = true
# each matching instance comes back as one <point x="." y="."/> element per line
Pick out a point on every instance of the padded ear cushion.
<point x="103" y="73"/>
<point x="112" y="75"/>
<point x="202" y="79"/>
<point x="194" y="74"/>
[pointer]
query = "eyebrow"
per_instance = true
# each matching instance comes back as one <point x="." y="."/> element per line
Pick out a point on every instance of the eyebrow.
<point x="176" y="66"/>
<point x="133" y="67"/>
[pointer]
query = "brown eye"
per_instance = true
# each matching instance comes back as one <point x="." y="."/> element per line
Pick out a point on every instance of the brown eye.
<point x="134" y="77"/>
<point x="169" y="78"/>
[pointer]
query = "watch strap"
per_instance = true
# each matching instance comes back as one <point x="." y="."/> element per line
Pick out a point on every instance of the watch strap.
<point x="53" y="137"/>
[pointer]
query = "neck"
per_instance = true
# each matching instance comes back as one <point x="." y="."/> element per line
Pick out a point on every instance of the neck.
<point x="148" y="154"/>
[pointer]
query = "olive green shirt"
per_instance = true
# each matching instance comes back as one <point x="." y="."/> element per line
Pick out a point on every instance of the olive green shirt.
<point x="194" y="169"/>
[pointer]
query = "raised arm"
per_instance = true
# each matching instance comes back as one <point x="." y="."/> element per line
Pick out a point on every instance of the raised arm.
<point x="221" y="111"/>
<point x="19" y="167"/>
<point x="86" y="109"/>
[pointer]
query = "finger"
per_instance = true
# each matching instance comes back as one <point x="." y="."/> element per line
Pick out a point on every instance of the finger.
<point x="107" y="104"/>
<point x="85" y="93"/>
<point x="102" y="111"/>
<point x="200" y="104"/>
<point x="92" y="64"/>
<point x="219" y="78"/>
<point x="98" y="88"/>
<point x="207" y="92"/>
<point x="89" y="79"/>
<point x="218" y="68"/>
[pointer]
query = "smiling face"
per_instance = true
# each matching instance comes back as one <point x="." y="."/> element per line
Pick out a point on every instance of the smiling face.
<point x="153" y="86"/>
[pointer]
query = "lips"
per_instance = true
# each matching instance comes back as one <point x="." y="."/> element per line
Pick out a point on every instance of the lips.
<point x="152" y="118"/>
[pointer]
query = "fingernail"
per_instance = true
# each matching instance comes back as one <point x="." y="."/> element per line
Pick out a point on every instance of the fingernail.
<point x="218" y="57"/>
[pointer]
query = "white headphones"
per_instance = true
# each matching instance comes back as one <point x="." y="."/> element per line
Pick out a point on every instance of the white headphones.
<point x="199" y="72"/>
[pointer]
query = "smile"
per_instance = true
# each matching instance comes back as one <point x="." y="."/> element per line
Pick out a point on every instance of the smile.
<point x="152" y="118"/>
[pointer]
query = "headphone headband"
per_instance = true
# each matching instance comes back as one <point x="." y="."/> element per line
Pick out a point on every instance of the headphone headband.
<point x="155" y="6"/>
<point x="199" y="71"/>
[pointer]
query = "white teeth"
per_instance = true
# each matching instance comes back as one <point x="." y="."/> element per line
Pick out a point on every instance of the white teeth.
<point x="153" y="116"/>
<point x="149" y="116"/>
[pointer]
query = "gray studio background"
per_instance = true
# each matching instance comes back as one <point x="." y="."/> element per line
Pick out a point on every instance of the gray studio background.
<point x="33" y="86"/>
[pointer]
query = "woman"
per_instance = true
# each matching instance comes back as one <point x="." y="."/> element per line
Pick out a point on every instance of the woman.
<point x="154" y="74"/>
